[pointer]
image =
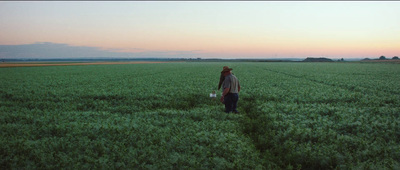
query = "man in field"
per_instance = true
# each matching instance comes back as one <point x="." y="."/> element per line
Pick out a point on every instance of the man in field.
<point x="231" y="88"/>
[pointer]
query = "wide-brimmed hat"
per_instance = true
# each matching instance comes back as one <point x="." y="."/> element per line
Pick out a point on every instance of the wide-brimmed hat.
<point x="226" y="69"/>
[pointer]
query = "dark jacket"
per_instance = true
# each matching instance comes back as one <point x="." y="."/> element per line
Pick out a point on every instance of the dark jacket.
<point x="221" y="79"/>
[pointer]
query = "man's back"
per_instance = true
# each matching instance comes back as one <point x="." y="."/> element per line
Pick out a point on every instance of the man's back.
<point x="231" y="82"/>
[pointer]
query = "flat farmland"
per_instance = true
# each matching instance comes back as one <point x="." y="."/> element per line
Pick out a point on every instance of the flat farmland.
<point x="41" y="64"/>
<point x="160" y="116"/>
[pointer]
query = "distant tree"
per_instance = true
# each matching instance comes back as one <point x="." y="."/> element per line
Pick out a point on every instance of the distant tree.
<point x="310" y="59"/>
<point x="395" y="58"/>
<point x="340" y="60"/>
<point x="382" y="58"/>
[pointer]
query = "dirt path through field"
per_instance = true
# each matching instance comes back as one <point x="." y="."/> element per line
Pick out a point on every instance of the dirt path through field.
<point x="26" y="64"/>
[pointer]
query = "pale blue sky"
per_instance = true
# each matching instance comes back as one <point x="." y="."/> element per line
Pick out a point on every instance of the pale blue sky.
<point x="218" y="29"/>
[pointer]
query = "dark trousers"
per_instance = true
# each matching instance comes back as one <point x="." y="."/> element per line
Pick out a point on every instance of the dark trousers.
<point x="231" y="100"/>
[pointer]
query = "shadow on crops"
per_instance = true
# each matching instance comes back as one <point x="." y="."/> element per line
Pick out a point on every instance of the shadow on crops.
<point x="257" y="125"/>
<point x="251" y="122"/>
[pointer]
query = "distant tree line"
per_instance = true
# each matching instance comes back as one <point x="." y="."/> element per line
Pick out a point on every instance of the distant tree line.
<point x="384" y="58"/>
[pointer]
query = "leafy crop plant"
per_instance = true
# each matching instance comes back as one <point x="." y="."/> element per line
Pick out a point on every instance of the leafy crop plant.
<point x="160" y="116"/>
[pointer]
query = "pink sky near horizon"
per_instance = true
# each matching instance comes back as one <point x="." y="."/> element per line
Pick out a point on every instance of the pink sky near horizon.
<point x="211" y="29"/>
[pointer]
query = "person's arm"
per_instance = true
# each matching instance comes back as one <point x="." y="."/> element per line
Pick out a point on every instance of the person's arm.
<point x="226" y="86"/>
<point x="224" y="93"/>
<point x="239" y="87"/>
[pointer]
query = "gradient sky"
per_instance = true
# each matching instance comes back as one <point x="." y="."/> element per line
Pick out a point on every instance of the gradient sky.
<point x="218" y="29"/>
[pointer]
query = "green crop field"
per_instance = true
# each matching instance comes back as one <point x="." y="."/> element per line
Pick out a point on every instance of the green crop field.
<point x="160" y="116"/>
